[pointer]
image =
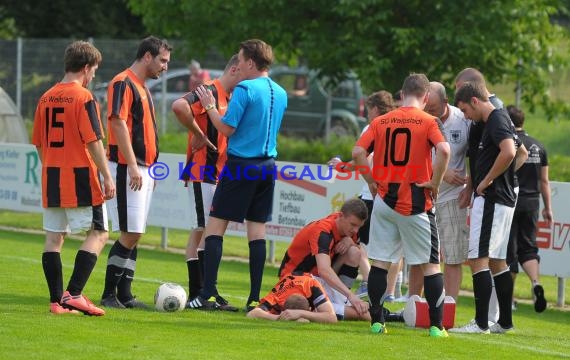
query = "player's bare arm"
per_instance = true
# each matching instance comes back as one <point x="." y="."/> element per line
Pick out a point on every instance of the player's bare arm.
<point x="329" y="275"/>
<point x="521" y="156"/>
<point x="502" y="162"/>
<point x="343" y="245"/>
<point x="454" y="177"/>
<point x="341" y="166"/>
<point x="359" y="155"/>
<point x="442" y="155"/>
<point x="259" y="313"/>
<point x="546" y="195"/>
<point x="97" y="152"/>
<point x="121" y="132"/>
<point x="323" y="314"/>
<point x="184" y="115"/>
<point x="208" y="102"/>
<point x="464" y="197"/>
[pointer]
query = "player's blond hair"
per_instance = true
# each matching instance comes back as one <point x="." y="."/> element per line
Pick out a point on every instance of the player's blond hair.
<point x="297" y="302"/>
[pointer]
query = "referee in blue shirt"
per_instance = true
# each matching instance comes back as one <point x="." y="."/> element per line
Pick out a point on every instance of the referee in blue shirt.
<point x="246" y="185"/>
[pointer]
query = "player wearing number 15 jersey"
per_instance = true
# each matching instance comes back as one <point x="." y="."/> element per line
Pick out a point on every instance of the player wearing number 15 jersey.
<point x="67" y="133"/>
<point x="402" y="216"/>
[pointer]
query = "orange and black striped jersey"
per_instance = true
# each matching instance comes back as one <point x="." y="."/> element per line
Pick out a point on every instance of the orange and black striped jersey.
<point x="318" y="237"/>
<point x="304" y="285"/>
<point x="66" y="119"/>
<point x="129" y="100"/>
<point x="207" y="163"/>
<point x="402" y="142"/>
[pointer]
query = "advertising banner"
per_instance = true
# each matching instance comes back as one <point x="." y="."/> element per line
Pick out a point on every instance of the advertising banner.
<point x="20" y="178"/>
<point x="303" y="193"/>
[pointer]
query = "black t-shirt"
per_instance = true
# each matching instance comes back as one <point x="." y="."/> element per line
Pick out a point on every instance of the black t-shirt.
<point x="497" y="128"/>
<point x="529" y="173"/>
<point x="475" y="133"/>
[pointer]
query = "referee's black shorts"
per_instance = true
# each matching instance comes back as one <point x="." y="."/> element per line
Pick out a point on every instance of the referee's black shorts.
<point x="245" y="190"/>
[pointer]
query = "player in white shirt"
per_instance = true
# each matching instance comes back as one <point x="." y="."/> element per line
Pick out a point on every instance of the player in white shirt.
<point x="451" y="219"/>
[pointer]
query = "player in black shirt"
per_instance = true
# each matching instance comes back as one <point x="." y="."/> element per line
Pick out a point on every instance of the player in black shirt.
<point x="493" y="207"/>
<point x="476" y="129"/>
<point x="474" y="138"/>
<point x="533" y="181"/>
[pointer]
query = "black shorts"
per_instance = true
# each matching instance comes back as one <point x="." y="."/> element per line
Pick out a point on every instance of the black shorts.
<point x="245" y="190"/>
<point x="522" y="239"/>
<point x="364" y="231"/>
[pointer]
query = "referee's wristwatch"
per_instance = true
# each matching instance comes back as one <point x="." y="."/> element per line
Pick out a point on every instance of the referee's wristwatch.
<point x="209" y="107"/>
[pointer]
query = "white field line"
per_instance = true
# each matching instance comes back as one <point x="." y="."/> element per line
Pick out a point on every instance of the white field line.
<point x="81" y="238"/>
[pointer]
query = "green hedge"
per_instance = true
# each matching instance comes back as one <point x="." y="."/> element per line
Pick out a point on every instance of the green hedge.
<point x="289" y="148"/>
<point x="559" y="168"/>
<point x="314" y="151"/>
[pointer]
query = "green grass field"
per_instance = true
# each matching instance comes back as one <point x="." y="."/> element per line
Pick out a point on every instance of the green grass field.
<point x="29" y="331"/>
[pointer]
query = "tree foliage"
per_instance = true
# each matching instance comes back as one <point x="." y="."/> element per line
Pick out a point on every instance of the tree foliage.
<point x="382" y="40"/>
<point x="7" y="25"/>
<point x="79" y="19"/>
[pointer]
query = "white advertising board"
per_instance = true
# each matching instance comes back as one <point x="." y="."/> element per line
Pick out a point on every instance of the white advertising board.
<point x="20" y="178"/>
<point x="554" y="241"/>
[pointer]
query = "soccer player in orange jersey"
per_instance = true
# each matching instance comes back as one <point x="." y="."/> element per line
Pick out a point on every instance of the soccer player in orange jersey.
<point x="405" y="184"/>
<point x="296" y="298"/>
<point x="206" y="156"/>
<point x="132" y="148"/>
<point x="67" y="133"/>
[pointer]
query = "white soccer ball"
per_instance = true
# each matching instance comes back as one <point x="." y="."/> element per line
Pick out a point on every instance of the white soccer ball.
<point x="170" y="297"/>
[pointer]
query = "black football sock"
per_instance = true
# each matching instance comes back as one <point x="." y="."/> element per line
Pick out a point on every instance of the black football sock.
<point x="347" y="274"/>
<point x="482" y="287"/>
<point x="257" y="256"/>
<point x="193" y="278"/>
<point x="124" y="293"/>
<point x="504" y="289"/>
<point x="201" y="268"/>
<point x="377" y="284"/>
<point x="51" y="263"/>
<point x="116" y="262"/>
<point x="435" y="296"/>
<point x="84" y="264"/>
<point x="201" y="262"/>
<point x="212" y="258"/>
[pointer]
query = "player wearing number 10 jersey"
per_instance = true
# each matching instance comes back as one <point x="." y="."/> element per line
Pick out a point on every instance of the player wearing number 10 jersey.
<point x="67" y="134"/>
<point x="402" y="216"/>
